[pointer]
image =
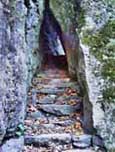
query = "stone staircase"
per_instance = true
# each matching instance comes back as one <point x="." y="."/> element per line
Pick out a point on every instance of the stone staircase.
<point x="54" y="120"/>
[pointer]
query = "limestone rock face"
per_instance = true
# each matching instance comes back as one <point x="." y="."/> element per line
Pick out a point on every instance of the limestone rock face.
<point x="98" y="113"/>
<point x="17" y="24"/>
<point x="71" y="43"/>
<point x="3" y="119"/>
<point x="65" y="14"/>
<point x="13" y="145"/>
<point x="33" y="19"/>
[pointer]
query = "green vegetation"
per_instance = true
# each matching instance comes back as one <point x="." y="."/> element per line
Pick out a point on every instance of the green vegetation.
<point x="63" y="15"/>
<point x="20" y="130"/>
<point x="102" y="45"/>
<point x="111" y="150"/>
<point x="68" y="13"/>
<point x="81" y="19"/>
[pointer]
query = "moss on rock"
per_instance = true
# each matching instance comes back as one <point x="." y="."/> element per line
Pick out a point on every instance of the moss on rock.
<point x="102" y="46"/>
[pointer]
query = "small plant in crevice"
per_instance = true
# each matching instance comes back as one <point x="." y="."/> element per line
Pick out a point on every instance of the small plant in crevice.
<point x="68" y="12"/>
<point x="20" y="130"/>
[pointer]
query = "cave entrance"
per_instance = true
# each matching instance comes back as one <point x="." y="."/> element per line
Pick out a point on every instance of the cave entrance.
<point x="51" y="40"/>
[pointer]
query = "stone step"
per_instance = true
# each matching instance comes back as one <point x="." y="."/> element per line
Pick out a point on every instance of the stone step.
<point x="46" y="100"/>
<point x="50" y="99"/>
<point x="85" y="138"/>
<point x="81" y="145"/>
<point x="50" y="128"/>
<point x="69" y="101"/>
<point x="36" y="115"/>
<point x="79" y="150"/>
<point x="59" y="85"/>
<point x="64" y="123"/>
<point x="81" y="142"/>
<point x="47" y="139"/>
<point x="52" y="125"/>
<point x="50" y="91"/>
<point x="60" y="110"/>
<point x="66" y="98"/>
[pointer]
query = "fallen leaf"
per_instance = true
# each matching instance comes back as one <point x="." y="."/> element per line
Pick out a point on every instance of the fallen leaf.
<point x="32" y="108"/>
<point x="72" y="102"/>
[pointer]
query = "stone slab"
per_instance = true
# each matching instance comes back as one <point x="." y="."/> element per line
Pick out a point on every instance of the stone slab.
<point x="47" y="139"/>
<point x="60" y="110"/>
<point x="50" y="91"/>
<point x="46" y="100"/>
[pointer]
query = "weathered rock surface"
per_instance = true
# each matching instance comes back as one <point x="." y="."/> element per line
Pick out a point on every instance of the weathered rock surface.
<point x="83" y="138"/>
<point x="46" y="100"/>
<point x="83" y="141"/>
<point x="47" y="139"/>
<point x="50" y="91"/>
<point x="13" y="145"/>
<point x="16" y="70"/>
<point x="64" y="123"/>
<point x="81" y="145"/>
<point x="97" y="141"/>
<point x="36" y="115"/>
<point x="96" y="114"/>
<point x="60" y="110"/>
<point x="91" y="16"/>
<point x="33" y="21"/>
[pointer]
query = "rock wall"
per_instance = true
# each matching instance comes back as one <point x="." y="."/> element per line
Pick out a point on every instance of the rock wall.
<point x="19" y="57"/>
<point x="90" y="17"/>
<point x="33" y="20"/>
<point x="68" y="22"/>
<point x="99" y="105"/>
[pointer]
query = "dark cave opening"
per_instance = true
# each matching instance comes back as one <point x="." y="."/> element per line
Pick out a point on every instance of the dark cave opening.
<point x="51" y="40"/>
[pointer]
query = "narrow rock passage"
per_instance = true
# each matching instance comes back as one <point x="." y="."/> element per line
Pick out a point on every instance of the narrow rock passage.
<point x="54" y="115"/>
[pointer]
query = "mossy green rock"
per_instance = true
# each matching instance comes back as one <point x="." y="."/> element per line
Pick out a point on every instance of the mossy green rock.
<point x="98" y="49"/>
